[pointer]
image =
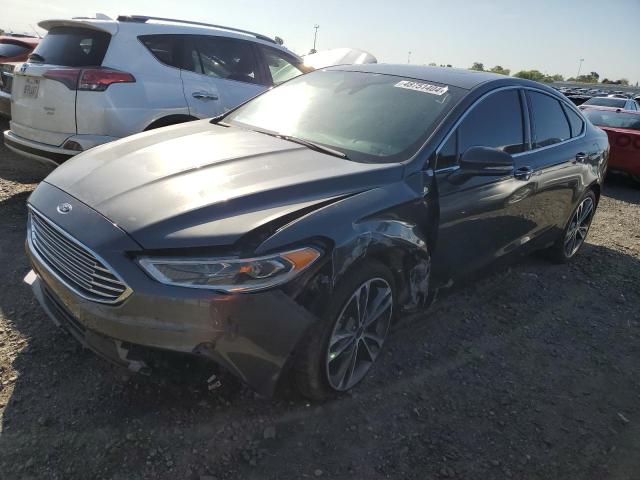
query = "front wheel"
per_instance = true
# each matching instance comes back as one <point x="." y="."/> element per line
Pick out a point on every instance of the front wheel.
<point x="341" y="349"/>
<point x="575" y="233"/>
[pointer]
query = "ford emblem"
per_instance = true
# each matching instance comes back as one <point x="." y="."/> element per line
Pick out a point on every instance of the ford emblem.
<point x="64" y="208"/>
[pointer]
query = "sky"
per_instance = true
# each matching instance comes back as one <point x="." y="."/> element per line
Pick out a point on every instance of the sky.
<point x="550" y="36"/>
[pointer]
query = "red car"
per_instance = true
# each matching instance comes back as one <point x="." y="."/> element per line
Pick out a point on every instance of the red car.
<point x="13" y="50"/>
<point x="16" y="49"/>
<point x="623" y="130"/>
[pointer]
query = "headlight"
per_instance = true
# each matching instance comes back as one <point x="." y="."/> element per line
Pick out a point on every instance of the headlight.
<point x="232" y="275"/>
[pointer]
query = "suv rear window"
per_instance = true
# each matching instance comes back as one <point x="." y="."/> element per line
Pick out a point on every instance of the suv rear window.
<point x="12" y="50"/>
<point x="72" y="47"/>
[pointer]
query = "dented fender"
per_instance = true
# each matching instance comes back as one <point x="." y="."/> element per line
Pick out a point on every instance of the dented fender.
<point x="363" y="226"/>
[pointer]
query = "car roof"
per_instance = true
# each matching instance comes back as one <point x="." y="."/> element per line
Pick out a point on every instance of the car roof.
<point x="456" y="77"/>
<point x="611" y="98"/>
<point x="160" y="26"/>
<point x="27" y="41"/>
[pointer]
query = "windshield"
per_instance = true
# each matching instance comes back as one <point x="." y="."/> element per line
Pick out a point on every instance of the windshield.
<point x="612" y="119"/>
<point x="369" y="117"/>
<point x="607" y="102"/>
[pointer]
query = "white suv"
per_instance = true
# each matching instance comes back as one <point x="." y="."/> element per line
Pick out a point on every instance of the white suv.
<point x="94" y="80"/>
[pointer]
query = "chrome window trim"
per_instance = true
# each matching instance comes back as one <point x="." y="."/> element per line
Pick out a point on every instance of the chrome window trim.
<point x="515" y="155"/>
<point x="128" y="291"/>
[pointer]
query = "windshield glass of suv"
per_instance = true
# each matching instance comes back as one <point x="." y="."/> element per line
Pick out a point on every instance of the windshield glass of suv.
<point x="607" y="102"/>
<point x="369" y="117"/>
<point x="612" y="119"/>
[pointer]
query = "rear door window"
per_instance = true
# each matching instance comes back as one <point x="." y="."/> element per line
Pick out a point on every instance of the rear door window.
<point x="166" y="48"/>
<point x="72" y="47"/>
<point x="495" y="122"/>
<point x="282" y="67"/>
<point x="576" y="123"/>
<point x="226" y="58"/>
<point x="549" y="123"/>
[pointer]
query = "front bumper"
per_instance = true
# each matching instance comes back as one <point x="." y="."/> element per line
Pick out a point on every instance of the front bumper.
<point x="251" y="335"/>
<point x="51" y="154"/>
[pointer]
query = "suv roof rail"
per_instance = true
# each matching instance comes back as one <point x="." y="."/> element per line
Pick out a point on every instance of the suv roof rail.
<point x="144" y="19"/>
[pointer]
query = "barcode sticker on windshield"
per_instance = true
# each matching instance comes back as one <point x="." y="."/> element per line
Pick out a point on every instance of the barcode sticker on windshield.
<point x="422" y="87"/>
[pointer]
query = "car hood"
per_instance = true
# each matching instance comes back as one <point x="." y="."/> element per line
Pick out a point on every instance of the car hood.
<point x="198" y="184"/>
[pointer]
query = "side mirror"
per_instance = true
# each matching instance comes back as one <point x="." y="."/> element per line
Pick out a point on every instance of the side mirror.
<point x="485" y="161"/>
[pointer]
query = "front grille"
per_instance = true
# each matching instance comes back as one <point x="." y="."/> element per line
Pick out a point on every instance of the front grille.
<point x="73" y="263"/>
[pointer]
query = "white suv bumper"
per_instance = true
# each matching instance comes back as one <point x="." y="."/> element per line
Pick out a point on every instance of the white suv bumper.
<point x="51" y="154"/>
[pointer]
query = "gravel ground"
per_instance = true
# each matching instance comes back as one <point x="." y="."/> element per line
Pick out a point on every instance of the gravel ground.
<point x="530" y="371"/>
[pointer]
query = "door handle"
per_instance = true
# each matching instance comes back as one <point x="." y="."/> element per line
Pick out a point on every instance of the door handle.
<point x="581" y="157"/>
<point x="523" y="173"/>
<point x="204" y="96"/>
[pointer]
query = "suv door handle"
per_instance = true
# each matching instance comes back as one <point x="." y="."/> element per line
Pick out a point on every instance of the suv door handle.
<point x="523" y="173"/>
<point x="204" y="96"/>
<point x="581" y="157"/>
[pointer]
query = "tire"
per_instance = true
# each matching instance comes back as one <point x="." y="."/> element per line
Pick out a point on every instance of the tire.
<point x="316" y="375"/>
<point x="572" y="238"/>
<point x="636" y="178"/>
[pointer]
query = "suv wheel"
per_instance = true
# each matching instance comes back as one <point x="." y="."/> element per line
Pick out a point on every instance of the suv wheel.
<point x="349" y="337"/>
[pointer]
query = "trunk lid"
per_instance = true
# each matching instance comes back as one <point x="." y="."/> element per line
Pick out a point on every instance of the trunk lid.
<point x="44" y="108"/>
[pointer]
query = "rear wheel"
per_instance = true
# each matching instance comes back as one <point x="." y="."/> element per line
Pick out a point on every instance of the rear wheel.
<point x="636" y="178"/>
<point x="341" y="349"/>
<point x="575" y="233"/>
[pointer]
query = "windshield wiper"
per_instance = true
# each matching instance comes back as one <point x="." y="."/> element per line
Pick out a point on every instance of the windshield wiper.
<point x="311" y="145"/>
<point x="37" y="57"/>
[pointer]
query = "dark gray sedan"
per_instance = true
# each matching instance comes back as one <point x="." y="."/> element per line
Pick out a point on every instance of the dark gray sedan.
<point x="286" y="236"/>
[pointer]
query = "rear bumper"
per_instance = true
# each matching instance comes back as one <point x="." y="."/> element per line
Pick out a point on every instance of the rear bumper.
<point x="51" y="154"/>
<point x="625" y="161"/>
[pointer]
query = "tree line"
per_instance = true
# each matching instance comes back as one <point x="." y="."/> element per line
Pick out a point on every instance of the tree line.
<point x="538" y="76"/>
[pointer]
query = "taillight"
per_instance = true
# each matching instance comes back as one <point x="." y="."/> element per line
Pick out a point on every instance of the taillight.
<point x="98" y="79"/>
<point x="623" y="141"/>
<point x="67" y="76"/>
<point x="92" y="79"/>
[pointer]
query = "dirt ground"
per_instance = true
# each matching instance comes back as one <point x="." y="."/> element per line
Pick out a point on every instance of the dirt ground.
<point x="529" y="372"/>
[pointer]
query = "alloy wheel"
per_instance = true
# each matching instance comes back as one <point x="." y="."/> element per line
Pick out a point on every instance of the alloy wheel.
<point x="359" y="333"/>
<point x="578" y="227"/>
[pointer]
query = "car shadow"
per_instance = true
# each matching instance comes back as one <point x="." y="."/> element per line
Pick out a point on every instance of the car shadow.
<point x="67" y="402"/>
<point x="18" y="169"/>
<point x="623" y="188"/>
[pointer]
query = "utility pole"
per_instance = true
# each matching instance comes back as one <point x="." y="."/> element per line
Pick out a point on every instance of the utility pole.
<point x="579" y="68"/>
<point x="315" y="37"/>
<point x="409" y="57"/>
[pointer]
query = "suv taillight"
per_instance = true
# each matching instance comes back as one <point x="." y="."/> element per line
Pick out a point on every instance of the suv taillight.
<point x="98" y="79"/>
<point x="92" y="79"/>
<point x="66" y="76"/>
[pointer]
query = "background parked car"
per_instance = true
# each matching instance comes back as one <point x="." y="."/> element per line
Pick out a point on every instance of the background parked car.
<point x="338" y="56"/>
<point x="13" y="51"/>
<point x="91" y="81"/>
<point x="614" y="102"/>
<point x="623" y="129"/>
